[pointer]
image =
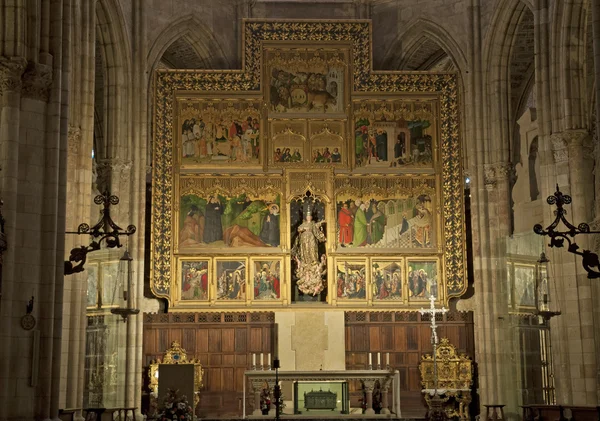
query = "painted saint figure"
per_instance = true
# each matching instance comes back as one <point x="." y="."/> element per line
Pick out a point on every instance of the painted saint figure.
<point x="345" y="220"/>
<point x="360" y="225"/>
<point x="270" y="229"/>
<point x="193" y="227"/>
<point x="213" y="227"/>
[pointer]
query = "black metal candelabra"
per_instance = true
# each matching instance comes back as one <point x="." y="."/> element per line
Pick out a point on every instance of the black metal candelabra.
<point x="557" y="238"/>
<point x="105" y="230"/>
<point x="277" y="388"/>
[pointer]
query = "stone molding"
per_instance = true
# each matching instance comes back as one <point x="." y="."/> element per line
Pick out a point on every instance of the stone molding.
<point x="37" y="81"/>
<point x="493" y="173"/>
<point x="595" y="240"/>
<point x="74" y="137"/>
<point x="11" y="71"/>
<point x="110" y="169"/>
<point x="560" y="152"/>
<point x="575" y="143"/>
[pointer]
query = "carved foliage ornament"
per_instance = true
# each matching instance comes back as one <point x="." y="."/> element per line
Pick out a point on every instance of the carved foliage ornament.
<point x="11" y="70"/>
<point x="37" y="80"/>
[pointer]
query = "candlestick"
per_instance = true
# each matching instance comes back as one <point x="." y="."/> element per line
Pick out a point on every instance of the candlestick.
<point x="387" y="359"/>
<point x="370" y="361"/>
<point x="253" y="361"/>
<point x="269" y="360"/>
<point x="261" y="361"/>
<point x="378" y="360"/>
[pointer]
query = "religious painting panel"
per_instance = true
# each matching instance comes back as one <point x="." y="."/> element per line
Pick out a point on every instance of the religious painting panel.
<point x="266" y="276"/>
<point x="217" y="133"/>
<point x="288" y="144"/>
<point x="111" y="285"/>
<point x="392" y="135"/>
<point x="387" y="280"/>
<point x="386" y="213"/>
<point x="524" y="286"/>
<point x="306" y="81"/>
<point x="231" y="279"/>
<point x="327" y="144"/>
<point x="228" y="213"/>
<point x="423" y="277"/>
<point x="194" y="277"/>
<point x="92" y="284"/>
<point x="350" y="279"/>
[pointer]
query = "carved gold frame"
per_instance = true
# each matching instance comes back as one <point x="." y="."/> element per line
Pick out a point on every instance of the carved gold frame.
<point x="401" y="261"/>
<point x="333" y="280"/>
<point x="283" y="287"/>
<point x="175" y="355"/>
<point x="441" y="296"/>
<point x="364" y="84"/>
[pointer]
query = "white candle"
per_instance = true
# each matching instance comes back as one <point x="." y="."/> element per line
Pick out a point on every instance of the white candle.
<point x="261" y="360"/>
<point x="387" y="359"/>
<point x="253" y="359"/>
<point x="269" y="359"/>
<point x="370" y="359"/>
<point x="379" y="359"/>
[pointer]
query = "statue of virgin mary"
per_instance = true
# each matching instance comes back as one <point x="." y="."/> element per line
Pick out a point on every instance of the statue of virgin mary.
<point x="310" y="268"/>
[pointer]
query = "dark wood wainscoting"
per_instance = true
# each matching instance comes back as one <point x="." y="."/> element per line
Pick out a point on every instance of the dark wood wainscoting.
<point x="222" y="342"/>
<point x="406" y="336"/>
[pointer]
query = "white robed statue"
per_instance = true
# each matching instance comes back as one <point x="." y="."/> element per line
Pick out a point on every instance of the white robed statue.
<point x="310" y="268"/>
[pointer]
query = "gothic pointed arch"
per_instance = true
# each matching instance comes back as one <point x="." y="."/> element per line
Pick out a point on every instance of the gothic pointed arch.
<point x="191" y="34"/>
<point x="423" y="46"/>
<point x="509" y="65"/>
<point x="569" y="32"/>
<point x="111" y="93"/>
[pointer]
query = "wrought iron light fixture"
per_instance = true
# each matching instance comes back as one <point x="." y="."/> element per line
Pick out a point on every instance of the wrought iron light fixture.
<point x="105" y="231"/>
<point x="127" y="311"/>
<point x="543" y="291"/>
<point x="557" y="238"/>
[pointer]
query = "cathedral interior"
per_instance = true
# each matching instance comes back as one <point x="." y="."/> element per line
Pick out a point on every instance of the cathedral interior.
<point x="299" y="208"/>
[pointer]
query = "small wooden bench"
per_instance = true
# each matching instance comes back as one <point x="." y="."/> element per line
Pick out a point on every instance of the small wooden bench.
<point x="560" y="413"/>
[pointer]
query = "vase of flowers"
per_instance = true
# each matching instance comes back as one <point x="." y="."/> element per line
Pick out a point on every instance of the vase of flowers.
<point x="265" y="401"/>
<point x="175" y="408"/>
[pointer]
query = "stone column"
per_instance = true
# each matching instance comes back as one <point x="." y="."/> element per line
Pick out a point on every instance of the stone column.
<point x="257" y="388"/>
<point x="271" y="384"/>
<point x="574" y="351"/>
<point x="369" y="385"/>
<point x="11" y="69"/>
<point x="385" y="405"/>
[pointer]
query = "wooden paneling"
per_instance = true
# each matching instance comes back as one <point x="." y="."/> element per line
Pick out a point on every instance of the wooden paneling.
<point x="406" y="336"/>
<point x="222" y="342"/>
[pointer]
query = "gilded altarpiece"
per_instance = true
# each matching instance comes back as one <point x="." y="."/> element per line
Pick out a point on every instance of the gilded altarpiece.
<point x="306" y="127"/>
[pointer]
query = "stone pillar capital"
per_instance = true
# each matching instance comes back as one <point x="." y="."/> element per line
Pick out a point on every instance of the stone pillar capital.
<point x="37" y="80"/>
<point x="11" y="70"/>
<point x="571" y="143"/>
<point x="257" y="384"/>
<point x="369" y="384"/>
<point x="496" y="172"/>
<point x="115" y="170"/>
<point x="74" y="137"/>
